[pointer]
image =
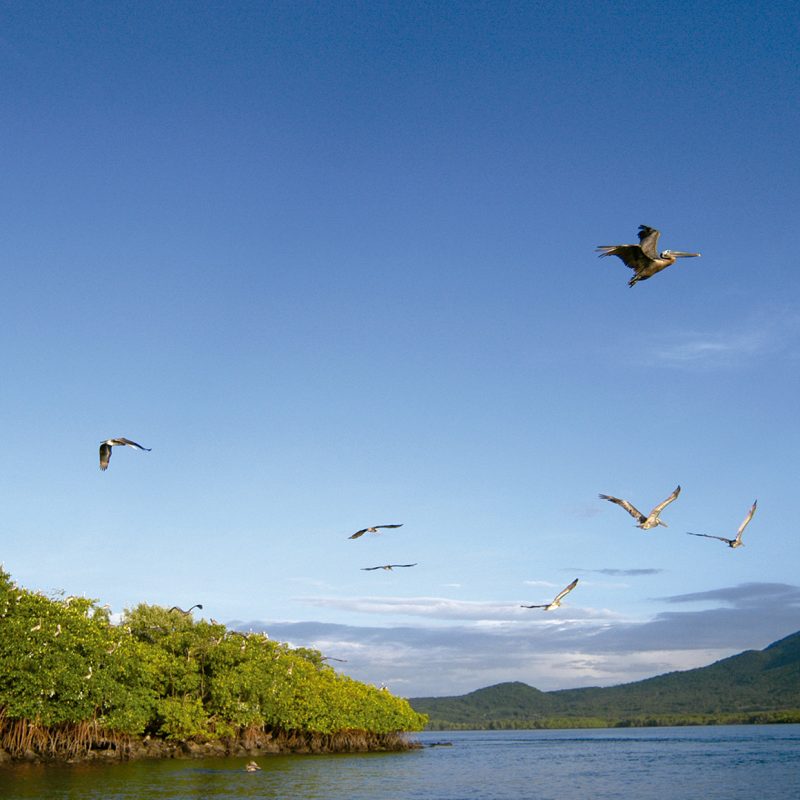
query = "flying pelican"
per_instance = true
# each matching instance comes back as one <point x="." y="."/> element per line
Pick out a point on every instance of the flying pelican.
<point x="373" y="529"/>
<point x="644" y="522"/>
<point x="185" y="613"/>
<point x="105" y="449"/>
<point x="737" y="542"/>
<point x="388" y="566"/>
<point x="558" y="598"/>
<point x="643" y="257"/>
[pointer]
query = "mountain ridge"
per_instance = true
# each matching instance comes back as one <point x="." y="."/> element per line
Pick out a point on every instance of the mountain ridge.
<point x="750" y="682"/>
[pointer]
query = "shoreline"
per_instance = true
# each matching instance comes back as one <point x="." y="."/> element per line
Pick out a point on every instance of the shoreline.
<point x="52" y="748"/>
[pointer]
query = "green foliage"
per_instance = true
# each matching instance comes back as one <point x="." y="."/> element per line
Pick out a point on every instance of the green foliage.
<point x="752" y="686"/>
<point x="162" y="673"/>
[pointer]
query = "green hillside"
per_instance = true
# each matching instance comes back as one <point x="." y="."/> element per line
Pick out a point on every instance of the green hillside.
<point x="757" y="685"/>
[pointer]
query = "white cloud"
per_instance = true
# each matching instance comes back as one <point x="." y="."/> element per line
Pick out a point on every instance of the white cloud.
<point x="488" y="643"/>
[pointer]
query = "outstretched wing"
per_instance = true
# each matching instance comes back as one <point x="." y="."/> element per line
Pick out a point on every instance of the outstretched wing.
<point x="661" y="506"/>
<point x="541" y="606"/>
<point x="707" y="536"/>
<point x="369" y="569"/>
<point x="632" y="510"/>
<point x="389" y="526"/>
<point x="403" y="565"/>
<point x="746" y="522"/>
<point x="129" y="443"/>
<point x="565" y="591"/>
<point x="631" y="254"/>
<point x="648" y="240"/>
<point x="358" y="533"/>
<point x="105" y="455"/>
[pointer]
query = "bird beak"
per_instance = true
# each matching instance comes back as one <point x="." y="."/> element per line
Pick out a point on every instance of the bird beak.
<point x="681" y="254"/>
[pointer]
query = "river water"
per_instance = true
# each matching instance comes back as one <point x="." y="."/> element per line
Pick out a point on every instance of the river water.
<point x="695" y="763"/>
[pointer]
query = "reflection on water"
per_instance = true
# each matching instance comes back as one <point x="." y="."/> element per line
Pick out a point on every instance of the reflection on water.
<point x="721" y="763"/>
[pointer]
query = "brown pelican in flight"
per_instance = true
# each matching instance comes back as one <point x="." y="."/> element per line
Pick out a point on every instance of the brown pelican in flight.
<point x="373" y="529"/>
<point x="644" y="522"/>
<point x="105" y="449"/>
<point x="558" y="598"/>
<point x="187" y="612"/>
<point x="737" y="542"/>
<point x="388" y="566"/>
<point x="643" y="257"/>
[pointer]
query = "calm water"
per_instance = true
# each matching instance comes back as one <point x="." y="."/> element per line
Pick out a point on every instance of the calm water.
<point x="729" y="763"/>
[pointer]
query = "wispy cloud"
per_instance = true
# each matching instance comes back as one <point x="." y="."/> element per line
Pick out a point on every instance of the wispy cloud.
<point x="759" y="335"/>
<point x="618" y="572"/>
<point x="488" y="643"/>
<point x="720" y="348"/>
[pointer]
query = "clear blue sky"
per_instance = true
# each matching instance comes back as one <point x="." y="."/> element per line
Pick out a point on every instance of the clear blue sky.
<point x="333" y="263"/>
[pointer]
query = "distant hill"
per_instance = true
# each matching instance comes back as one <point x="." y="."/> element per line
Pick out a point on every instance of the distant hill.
<point x="739" y="688"/>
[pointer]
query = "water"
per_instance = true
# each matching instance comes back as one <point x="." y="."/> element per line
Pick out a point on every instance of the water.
<point x="725" y="763"/>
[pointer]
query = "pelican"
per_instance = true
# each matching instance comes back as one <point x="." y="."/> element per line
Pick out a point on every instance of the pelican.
<point x="105" y="449"/>
<point x="187" y="612"/>
<point x="643" y="257"/>
<point x="390" y="567"/>
<point x="373" y="529"/>
<point x="644" y="522"/>
<point x="558" y="598"/>
<point x="251" y="767"/>
<point x="737" y="542"/>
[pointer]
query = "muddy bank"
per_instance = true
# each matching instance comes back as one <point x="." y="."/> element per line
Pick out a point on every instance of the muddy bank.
<point x="73" y="744"/>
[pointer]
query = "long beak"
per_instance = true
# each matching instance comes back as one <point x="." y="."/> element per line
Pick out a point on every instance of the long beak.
<point x="681" y="254"/>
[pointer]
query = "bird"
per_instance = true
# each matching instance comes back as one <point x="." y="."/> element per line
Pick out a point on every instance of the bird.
<point x="558" y="598"/>
<point x="373" y="529"/>
<point x="644" y="522"/>
<point x="185" y="613"/>
<point x="331" y="658"/>
<point x="737" y="542"/>
<point x="105" y="449"/>
<point x="388" y="566"/>
<point x="251" y="767"/>
<point x="643" y="257"/>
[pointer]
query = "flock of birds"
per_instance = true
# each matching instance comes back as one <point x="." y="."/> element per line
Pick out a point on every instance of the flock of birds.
<point x="645" y="260"/>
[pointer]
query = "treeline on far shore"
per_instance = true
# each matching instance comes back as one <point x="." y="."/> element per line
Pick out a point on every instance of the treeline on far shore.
<point x="649" y="721"/>
<point x="73" y="685"/>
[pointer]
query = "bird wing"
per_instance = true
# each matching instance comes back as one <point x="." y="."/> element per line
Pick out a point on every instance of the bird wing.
<point x="661" y="506"/>
<point x="540" y="606"/>
<point x="105" y="455"/>
<point x="403" y="565"/>
<point x="631" y="509"/>
<point x="648" y="240"/>
<point x="389" y="526"/>
<point x="565" y="591"/>
<point x="631" y="255"/>
<point x="358" y="533"/>
<point x="129" y="443"/>
<point x="369" y="569"/>
<point x="746" y="521"/>
<point x="708" y="536"/>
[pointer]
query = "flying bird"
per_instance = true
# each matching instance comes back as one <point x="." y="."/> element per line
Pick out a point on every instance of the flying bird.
<point x="737" y="542"/>
<point x="643" y="258"/>
<point x="644" y="522"/>
<point x="388" y="566"/>
<point x="373" y="529"/>
<point x="105" y="449"/>
<point x="187" y="612"/>
<point x="558" y="598"/>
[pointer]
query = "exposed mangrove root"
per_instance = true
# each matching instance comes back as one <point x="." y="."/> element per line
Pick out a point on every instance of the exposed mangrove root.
<point x="22" y="740"/>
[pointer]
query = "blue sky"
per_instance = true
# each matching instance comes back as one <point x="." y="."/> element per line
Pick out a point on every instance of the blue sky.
<point x="334" y="264"/>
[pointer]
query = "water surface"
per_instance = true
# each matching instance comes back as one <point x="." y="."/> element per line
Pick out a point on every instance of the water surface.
<point x="705" y="763"/>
